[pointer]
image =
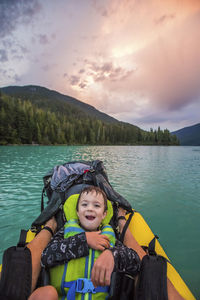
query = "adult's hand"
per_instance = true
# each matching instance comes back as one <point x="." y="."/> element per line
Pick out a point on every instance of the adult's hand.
<point x="97" y="241"/>
<point x="121" y="212"/>
<point x="102" y="269"/>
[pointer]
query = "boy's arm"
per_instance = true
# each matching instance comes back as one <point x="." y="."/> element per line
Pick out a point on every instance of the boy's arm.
<point x="101" y="240"/>
<point x="97" y="241"/>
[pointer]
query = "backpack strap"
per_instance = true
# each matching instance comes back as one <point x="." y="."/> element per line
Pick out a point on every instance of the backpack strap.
<point x="151" y="248"/>
<point x="126" y="226"/>
<point x="42" y="199"/>
<point x="22" y="239"/>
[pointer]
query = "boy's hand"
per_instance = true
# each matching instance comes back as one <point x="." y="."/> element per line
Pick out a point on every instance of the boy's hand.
<point x="97" y="241"/>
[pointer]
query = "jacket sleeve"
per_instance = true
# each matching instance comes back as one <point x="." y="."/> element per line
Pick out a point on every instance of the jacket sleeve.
<point x="61" y="250"/>
<point x="126" y="259"/>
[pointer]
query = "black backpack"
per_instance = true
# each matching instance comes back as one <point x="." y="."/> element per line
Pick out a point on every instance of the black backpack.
<point x="70" y="178"/>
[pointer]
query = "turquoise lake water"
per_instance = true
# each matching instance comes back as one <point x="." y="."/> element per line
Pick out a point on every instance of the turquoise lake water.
<point x="162" y="183"/>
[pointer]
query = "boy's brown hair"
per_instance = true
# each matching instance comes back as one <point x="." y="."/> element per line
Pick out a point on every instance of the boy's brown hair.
<point x="90" y="189"/>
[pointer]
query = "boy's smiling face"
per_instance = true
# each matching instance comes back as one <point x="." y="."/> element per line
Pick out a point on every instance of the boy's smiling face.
<point x="91" y="210"/>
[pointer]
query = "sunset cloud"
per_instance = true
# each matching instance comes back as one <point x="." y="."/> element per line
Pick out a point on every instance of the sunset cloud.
<point x="136" y="60"/>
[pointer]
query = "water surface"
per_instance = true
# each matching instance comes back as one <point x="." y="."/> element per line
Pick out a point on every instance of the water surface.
<point x="162" y="183"/>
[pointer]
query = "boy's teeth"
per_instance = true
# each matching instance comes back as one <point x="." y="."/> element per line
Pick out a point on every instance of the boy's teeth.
<point x="90" y="217"/>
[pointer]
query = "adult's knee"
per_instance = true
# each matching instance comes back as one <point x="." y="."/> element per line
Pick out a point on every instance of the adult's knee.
<point x="51" y="293"/>
<point x="46" y="292"/>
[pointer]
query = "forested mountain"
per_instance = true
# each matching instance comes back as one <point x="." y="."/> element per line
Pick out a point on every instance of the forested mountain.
<point x="52" y="100"/>
<point x="189" y="136"/>
<point x="36" y="115"/>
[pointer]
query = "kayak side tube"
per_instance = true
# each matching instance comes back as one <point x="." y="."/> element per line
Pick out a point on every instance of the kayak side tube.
<point x="143" y="235"/>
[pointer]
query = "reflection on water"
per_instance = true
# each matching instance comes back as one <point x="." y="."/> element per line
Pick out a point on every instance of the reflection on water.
<point x="160" y="182"/>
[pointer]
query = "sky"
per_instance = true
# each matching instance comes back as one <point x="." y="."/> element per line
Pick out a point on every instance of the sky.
<point x="136" y="60"/>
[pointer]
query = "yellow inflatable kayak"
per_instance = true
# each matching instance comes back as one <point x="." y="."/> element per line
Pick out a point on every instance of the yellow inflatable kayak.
<point x="143" y="235"/>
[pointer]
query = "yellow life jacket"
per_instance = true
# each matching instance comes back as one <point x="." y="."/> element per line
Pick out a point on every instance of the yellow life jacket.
<point x="72" y="280"/>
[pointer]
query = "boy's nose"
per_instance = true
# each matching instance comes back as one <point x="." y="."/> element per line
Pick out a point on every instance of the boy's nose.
<point x="90" y="207"/>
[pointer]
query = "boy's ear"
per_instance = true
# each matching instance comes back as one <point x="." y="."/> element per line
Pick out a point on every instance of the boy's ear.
<point x="104" y="214"/>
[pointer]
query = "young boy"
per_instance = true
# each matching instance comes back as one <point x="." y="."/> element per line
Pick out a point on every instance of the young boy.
<point x="72" y="279"/>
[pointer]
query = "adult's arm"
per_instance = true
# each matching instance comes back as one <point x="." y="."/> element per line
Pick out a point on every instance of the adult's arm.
<point x="132" y="243"/>
<point x="36" y="247"/>
<point x="61" y="250"/>
<point x="129" y="240"/>
<point x="125" y="259"/>
<point x="119" y="258"/>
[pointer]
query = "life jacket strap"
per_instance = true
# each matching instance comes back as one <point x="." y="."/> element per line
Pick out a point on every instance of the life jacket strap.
<point x="83" y="285"/>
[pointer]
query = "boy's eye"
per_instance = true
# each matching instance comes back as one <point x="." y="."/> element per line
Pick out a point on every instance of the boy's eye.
<point x="97" y="205"/>
<point x="84" y="204"/>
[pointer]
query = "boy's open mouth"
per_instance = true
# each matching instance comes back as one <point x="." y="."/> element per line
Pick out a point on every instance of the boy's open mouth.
<point x="90" y="218"/>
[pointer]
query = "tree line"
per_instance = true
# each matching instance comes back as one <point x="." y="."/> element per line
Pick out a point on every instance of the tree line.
<point x="22" y="122"/>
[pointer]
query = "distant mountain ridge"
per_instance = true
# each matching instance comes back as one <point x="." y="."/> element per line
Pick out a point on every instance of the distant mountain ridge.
<point x="34" y="92"/>
<point x="189" y="136"/>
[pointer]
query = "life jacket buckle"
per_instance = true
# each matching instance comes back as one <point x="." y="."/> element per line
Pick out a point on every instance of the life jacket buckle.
<point x="84" y="285"/>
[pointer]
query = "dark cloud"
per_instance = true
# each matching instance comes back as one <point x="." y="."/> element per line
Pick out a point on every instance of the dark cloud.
<point x="3" y="55"/>
<point x="16" y="78"/>
<point x="53" y="36"/>
<point x="99" y="7"/>
<point x="81" y="71"/>
<point x="94" y="37"/>
<point x="82" y="85"/>
<point x="98" y="72"/>
<point x="10" y="74"/>
<point x="46" y="68"/>
<point x="74" y="80"/>
<point x="99" y="78"/>
<point x="14" y="12"/>
<point x="24" y="49"/>
<point x="7" y="43"/>
<point x="153" y="118"/>
<point x="18" y="57"/>
<point x="107" y="67"/>
<point x="104" y="13"/>
<point x="12" y="49"/>
<point x="164" y="19"/>
<point x="43" y="39"/>
<point x="84" y="37"/>
<point x="108" y="71"/>
<point x="3" y="72"/>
